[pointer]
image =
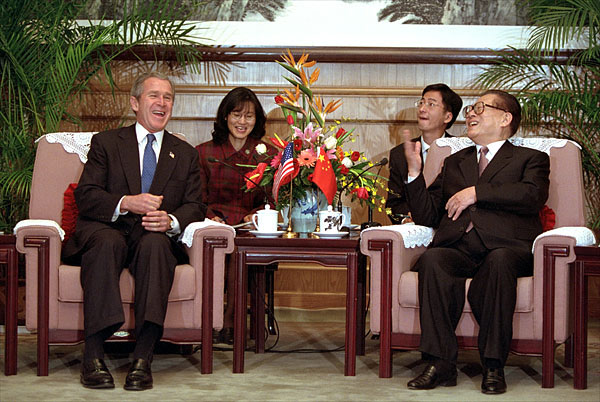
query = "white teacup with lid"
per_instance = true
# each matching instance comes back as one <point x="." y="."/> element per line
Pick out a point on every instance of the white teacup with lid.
<point x="330" y="221"/>
<point x="265" y="220"/>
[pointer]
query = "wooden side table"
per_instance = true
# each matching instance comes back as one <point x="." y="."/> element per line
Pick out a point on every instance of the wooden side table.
<point x="586" y="264"/>
<point x="8" y="256"/>
<point x="344" y="252"/>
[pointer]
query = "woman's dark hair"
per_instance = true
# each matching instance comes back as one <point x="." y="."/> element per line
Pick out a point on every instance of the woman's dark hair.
<point x="235" y="100"/>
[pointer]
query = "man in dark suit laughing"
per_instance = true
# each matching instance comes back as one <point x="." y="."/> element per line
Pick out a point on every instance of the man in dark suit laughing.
<point x="437" y="111"/>
<point x="139" y="189"/>
<point x="485" y="205"/>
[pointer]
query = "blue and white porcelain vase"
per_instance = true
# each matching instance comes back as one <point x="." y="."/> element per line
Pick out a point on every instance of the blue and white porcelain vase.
<point x="305" y="212"/>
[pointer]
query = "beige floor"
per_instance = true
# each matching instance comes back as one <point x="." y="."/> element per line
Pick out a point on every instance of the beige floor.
<point x="291" y="376"/>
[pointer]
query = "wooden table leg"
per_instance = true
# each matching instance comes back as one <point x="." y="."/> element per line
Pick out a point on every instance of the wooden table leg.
<point x="360" y="305"/>
<point x="351" y="303"/>
<point x="580" y="336"/>
<point x="9" y="254"/>
<point x="239" y="324"/>
<point x="259" y="309"/>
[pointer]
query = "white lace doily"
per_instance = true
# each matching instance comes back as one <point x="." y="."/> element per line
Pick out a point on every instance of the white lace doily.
<point x="74" y="143"/>
<point x="413" y="235"/>
<point x="541" y="144"/>
<point x="79" y="142"/>
<point x="583" y="236"/>
<point x="187" y="237"/>
<point x="40" y="222"/>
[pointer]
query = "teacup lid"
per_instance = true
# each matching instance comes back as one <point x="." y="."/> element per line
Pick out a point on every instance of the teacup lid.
<point x="329" y="208"/>
<point x="267" y="207"/>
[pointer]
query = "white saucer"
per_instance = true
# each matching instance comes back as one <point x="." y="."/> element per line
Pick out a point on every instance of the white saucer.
<point x="330" y="235"/>
<point x="267" y="235"/>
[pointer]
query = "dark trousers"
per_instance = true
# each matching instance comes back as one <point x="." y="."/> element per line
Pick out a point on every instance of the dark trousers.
<point x="151" y="260"/>
<point x="492" y="295"/>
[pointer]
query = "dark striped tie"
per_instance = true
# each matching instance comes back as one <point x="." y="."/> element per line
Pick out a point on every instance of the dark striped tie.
<point x="483" y="162"/>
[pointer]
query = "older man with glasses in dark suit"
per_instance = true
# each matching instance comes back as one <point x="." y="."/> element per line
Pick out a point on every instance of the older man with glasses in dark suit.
<point x="485" y="206"/>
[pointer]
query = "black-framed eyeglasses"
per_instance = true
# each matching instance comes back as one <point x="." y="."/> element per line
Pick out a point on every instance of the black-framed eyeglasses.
<point x="479" y="107"/>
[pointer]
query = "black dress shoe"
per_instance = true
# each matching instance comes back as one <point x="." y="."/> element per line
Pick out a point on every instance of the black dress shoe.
<point x="433" y="376"/>
<point x="493" y="381"/>
<point x="224" y="336"/>
<point x="95" y="374"/>
<point x="227" y="336"/>
<point x="139" y="376"/>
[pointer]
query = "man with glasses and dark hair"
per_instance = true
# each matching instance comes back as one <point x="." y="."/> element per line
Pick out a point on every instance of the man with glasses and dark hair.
<point x="485" y="206"/>
<point x="437" y="110"/>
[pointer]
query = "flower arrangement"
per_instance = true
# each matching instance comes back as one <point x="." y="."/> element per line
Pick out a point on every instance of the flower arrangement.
<point x="314" y="154"/>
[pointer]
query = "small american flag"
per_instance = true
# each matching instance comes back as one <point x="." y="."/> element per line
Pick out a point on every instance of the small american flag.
<point x="285" y="171"/>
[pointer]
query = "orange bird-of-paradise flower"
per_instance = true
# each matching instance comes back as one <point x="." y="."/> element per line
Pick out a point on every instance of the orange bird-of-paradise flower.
<point x="292" y="98"/>
<point x="303" y="61"/>
<point x="332" y="106"/>
<point x="314" y="76"/>
<point x="303" y="77"/>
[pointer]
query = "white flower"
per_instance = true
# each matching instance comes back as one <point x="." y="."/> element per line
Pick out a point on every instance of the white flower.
<point x="330" y="142"/>
<point x="347" y="162"/>
<point x="261" y="149"/>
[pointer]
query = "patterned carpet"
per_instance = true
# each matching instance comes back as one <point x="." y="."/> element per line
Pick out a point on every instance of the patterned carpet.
<point x="310" y="373"/>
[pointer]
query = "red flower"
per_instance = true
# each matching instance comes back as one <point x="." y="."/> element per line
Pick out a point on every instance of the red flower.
<point x="290" y="119"/>
<point x="344" y="170"/>
<point x="361" y="193"/>
<point x="254" y="177"/>
<point x="340" y="132"/>
<point x="279" y="99"/>
<point x="297" y="145"/>
<point x="278" y="142"/>
<point x="355" y="156"/>
<point x="548" y="218"/>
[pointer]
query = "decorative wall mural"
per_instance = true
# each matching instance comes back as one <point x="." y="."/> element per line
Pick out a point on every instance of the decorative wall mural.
<point x="446" y="12"/>
<point x="477" y="24"/>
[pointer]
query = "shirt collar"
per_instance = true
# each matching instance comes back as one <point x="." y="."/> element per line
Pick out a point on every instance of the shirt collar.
<point x="492" y="148"/>
<point x="141" y="133"/>
<point x="246" y="150"/>
<point x="424" y="146"/>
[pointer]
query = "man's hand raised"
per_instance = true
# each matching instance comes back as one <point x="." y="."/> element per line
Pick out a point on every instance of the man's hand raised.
<point x="412" y="151"/>
<point x="141" y="203"/>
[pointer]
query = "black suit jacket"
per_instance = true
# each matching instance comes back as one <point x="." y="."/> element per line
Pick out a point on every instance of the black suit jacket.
<point x="113" y="170"/>
<point x="510" y="193"/>
<point x="396" y="198"/>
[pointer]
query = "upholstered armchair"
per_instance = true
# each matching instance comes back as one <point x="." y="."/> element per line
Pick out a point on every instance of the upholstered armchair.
<point x="54" y="297"/>
<point x="541" y="319"/>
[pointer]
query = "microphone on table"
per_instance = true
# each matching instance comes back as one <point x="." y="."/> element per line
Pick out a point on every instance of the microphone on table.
<point x="370" y="223"/>
<point x="379" y="164"/>
<point x="268" y="197"/>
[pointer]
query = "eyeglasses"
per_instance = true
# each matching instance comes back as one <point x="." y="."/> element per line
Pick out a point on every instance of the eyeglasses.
<point x="423" y="102"/>
<point x="238" y="116"/>
<point x="479" y="107"/>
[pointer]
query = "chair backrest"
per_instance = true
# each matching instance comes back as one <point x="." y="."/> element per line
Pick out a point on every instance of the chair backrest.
<point x="53" y="171"/>
<point x="566" y="196"/>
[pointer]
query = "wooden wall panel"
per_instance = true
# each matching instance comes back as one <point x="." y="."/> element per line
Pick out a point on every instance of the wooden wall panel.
<point x="378" y="93"/>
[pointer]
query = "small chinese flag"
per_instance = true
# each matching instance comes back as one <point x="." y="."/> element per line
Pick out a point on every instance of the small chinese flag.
<point x="324" y="176"/>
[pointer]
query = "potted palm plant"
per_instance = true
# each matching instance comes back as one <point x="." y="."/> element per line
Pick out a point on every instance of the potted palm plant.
<point x="560" y="98"/>
<point x="49" y="57"/>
